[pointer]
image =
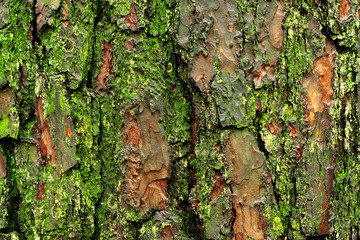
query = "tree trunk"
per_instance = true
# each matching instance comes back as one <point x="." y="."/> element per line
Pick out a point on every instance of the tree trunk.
<point x="179" y="119"/>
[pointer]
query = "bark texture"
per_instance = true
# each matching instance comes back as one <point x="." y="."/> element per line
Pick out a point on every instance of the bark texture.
<point x="179" y="119"/>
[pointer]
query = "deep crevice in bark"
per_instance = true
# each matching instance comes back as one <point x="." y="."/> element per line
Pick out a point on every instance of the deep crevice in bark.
<point x="8" y="148"/>
<point x="322" y="237"/>
<point x="89" y="85"/>
<point x="34" y="33"/>
<point x="98" y="18"/>
<point x="193" y="222"/>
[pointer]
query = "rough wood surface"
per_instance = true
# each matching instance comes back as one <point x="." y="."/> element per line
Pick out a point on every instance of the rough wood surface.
<point x="179" y="119"/>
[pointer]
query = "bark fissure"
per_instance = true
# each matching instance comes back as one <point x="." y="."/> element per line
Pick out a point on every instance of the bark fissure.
<point x="188" y="89"/>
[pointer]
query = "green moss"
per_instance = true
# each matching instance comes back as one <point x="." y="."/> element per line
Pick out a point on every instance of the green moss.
<point x="4" y="127"/>
<point x="15" y="43"/>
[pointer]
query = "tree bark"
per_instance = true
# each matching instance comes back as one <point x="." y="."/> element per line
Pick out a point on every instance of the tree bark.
<point x="179" y="119"/>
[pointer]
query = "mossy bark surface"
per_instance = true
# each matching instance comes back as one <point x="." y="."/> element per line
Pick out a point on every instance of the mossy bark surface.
<point x="179" y="119"/>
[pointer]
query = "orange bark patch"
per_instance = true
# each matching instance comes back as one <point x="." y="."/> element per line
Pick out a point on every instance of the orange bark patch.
<point x="324" y="225"/>
<point x="7" y="99"/>
<point x="226" y="48"/>
<point x="130" y="45"/>
<point x="69" y="128"/>
<point x="195" y="205"/>
<point x="65" y="13"/>
<point x="202" y="71"/>
<point x="298" y="153"/>
<point x="154" y="196"/>
<point x="344" y="9"/>
<point x="131" y="19"/>
<point x="259" y="105"/>
<point x="248" y="223"/>
<point x="2" y="166"/>
<point x="276" y="32"/>
<point x="147" y="162"/>
<point x="166" y="233"/>
<point x="131" y="133"/>
<point x="46" y="149"/>
<point x="327" y="187"/>
<point x="46" y="144"/>
<point x="246" y="168"/>
<point x="325" y="71"/>
<point x="265" y="71"/>
<point x="41" y="191"/>
<point x="106" y="67"/>
<point x="319" y="85"/>
<point x="219" y="185"/>
<point x="65" y="24"/>
<point x="274" y="128"/>
<point x="292" y="131"/>
<point x="258" y="76"/>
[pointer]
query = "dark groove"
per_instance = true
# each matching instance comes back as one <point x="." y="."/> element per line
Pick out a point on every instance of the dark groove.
<point x="322" y="237"/>
<point x="193" y="222"/>
<point x="36" y="38"/>
<point x="98" y="17"/>
<point x="8" y="146"/>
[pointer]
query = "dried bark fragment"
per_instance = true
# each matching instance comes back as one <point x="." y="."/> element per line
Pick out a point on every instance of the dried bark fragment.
<point x="106" y="67"/>
<point x="65" y="12"/>
<point x="259" y="106"/>
<point x="325" y="215"/>
<point x="147" y="157"/>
